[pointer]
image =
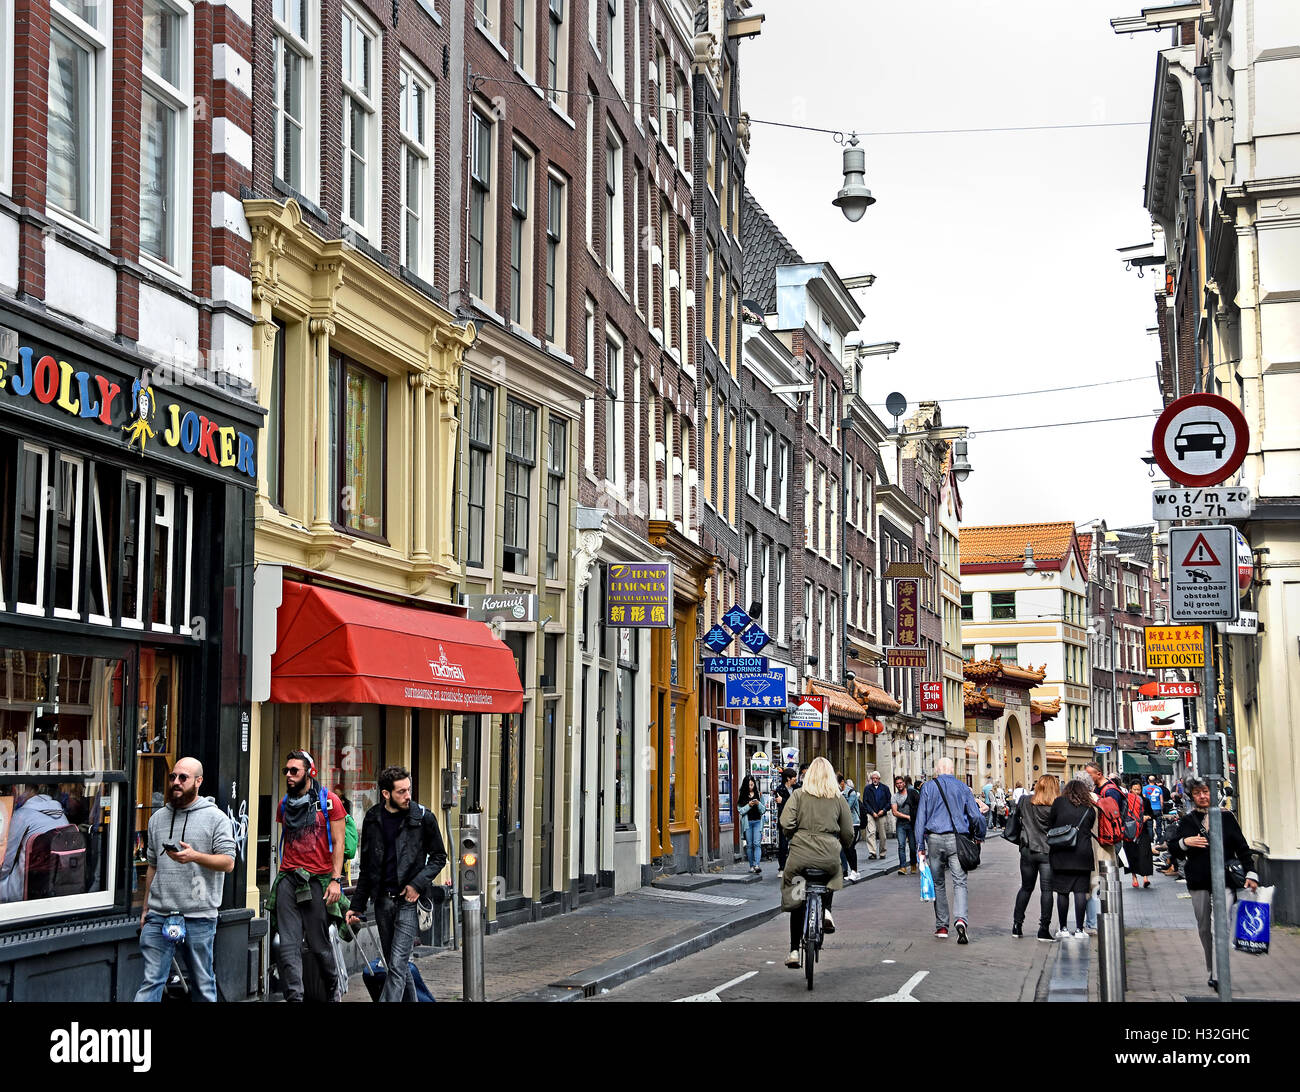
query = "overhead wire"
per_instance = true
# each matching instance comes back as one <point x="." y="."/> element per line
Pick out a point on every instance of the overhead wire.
<point x="1041" y="390"/>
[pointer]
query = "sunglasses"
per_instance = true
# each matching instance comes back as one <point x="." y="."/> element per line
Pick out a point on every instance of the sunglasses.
<point x="293" y="771"/>
<point x="182" y="777"/>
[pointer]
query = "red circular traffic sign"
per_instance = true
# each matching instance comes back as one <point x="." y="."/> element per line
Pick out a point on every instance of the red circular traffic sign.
<point x="1200" y="439"/>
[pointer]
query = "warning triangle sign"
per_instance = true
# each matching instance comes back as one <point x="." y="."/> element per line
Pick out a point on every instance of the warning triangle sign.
<point x="1200" y="553"/>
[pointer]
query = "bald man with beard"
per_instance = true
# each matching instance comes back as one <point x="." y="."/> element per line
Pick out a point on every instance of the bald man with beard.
<point x="191" y="848"/>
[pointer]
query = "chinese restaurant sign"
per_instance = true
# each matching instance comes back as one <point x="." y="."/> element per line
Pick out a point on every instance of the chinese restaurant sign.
<point x="639" y="595"/>
<point x="907" y="597"/>
<point x="1175" y="646"/>
<point x="138" y="410"/>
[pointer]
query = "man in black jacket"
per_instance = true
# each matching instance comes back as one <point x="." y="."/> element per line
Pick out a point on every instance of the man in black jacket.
<point x="401" y="855"/>
<point x="1191" y="843"/>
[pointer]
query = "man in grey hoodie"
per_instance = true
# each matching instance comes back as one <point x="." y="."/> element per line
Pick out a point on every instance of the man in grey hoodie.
<point x="191" y="849"/>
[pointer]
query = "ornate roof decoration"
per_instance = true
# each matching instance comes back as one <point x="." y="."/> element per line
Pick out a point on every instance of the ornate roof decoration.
<point x="1000" y="672"/>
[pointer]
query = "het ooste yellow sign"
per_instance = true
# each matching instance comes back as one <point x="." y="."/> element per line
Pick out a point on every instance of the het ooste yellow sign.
<point x="1175" y="646"/>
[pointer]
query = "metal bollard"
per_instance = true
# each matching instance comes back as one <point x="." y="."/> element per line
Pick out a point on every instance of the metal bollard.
<point x="471" y="908"/>
<point x="1110" y="934"/>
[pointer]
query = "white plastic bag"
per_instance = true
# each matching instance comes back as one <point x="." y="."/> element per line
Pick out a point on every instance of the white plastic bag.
<point x="340" y="960"/>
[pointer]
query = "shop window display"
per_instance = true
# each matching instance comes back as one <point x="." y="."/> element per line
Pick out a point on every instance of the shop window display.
<point x="62" y="780"/>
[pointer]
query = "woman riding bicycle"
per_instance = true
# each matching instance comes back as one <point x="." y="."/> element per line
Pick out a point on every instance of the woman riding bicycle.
<point x="819" y="822"/>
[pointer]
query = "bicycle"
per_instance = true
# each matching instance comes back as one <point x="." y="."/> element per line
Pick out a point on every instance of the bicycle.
<point x="814" y="920"/>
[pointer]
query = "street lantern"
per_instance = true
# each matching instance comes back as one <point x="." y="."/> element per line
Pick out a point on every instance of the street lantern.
<point x="1029" y="566"/>
<point x="854" y="197"/>
<point x="961" y="467"/>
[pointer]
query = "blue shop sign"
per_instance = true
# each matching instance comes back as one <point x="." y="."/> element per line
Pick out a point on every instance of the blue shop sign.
<point x="736" y="619"/>
<point x="765" y="691"/>
<point x="717" y="639"/>
<point x="735" y="665"/>
<point x="755" y="639"/>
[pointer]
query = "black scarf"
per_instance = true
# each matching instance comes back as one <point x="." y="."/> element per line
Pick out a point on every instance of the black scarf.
<point x="300" y="811"/>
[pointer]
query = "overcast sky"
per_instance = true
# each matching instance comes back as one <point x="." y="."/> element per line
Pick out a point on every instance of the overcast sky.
<point x="995" y="253"/>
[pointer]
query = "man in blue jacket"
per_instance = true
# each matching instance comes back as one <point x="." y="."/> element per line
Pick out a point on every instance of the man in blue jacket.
<point x="946" y="807"/>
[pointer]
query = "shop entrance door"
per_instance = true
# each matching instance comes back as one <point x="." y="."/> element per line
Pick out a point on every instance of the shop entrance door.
<point x="546" y="844"/>
<point x="708" y="797"/>
<point x="510" y="811"/>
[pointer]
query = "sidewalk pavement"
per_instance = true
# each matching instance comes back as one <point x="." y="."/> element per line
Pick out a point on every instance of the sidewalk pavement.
<point x="1164" y="957"/>
<point x="606" y="943"/>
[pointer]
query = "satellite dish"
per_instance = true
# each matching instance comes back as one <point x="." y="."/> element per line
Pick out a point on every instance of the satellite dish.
<point x="896" y="404"/>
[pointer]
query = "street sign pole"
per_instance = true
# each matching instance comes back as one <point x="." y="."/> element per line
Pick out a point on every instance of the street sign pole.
<point x="1218" y="891"/>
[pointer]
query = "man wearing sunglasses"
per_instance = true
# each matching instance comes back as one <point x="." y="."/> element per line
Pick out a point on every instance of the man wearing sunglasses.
<point x="190" y="850"/>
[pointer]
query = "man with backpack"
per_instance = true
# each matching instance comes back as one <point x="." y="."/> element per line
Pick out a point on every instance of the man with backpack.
<point x="190" y="850"/>
<point x="31" y="860"/>
<point x="1112" y="826"/>
<point x="401" y="855"/>
<point x="309" y="885"/>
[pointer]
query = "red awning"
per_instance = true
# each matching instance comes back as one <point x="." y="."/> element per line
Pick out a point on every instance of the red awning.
<point x="336" y="647"/>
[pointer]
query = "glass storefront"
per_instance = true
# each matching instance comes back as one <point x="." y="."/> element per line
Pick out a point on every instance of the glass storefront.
<point x="62" y="781"/>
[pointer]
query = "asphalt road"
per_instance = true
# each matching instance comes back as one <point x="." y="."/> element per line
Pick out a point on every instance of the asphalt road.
<point x="884" y="949"/>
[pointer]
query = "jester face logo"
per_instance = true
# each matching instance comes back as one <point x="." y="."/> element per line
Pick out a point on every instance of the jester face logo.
<point x="138" y="429"/>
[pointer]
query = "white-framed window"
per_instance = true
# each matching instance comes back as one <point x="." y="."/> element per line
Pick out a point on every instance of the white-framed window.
<point x="482" y="207"/>
<point x="670" y="433"/>
<point x="592" y="153"/>
<point x="833" y="528"/>
<point x="682" y="232"/>
<point x="593" y="24"/>
<point x="659" y="67"/>
<point x="751" y="570"/>
<point x="833" y="639"/>
<point x="521" y="37"/>
<point x="165" y="135"/>
<point x="751" y="453"/>
<point x="613" y="407"/>
<point x="416" y="95"/>
<point x="77" y="153"/>
<point x="6" y="94"/>
<point x="589" y="419"/>
<point x="557" y="54"/>
<point x="778" y="593"/>
<point x="557" y="270"/>
<point x="683" y="98"/>
<point x="809" y="517"/>
<point x="636" y="238"/>
<point x="818" y="648"/>
<point x="782" y="474"/>
<point x="614" y="62"/>
<point x="362" y="82"/>
<point x="297" y="91"/>
<point x="665" y="312"/>
<point x="521" y="238"/>
<point x="684" y="485"/>
<point x="636" y="432"/>
<point x="615" y="258"/>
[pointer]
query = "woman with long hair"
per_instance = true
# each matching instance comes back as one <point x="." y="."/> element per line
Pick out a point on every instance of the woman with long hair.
<point x="749" y="803"/>
<point x="1072" y="865"/>
<point x="1035" y="861"/>
<point x="1138" y="852"/>
<point x="819" y="823"/>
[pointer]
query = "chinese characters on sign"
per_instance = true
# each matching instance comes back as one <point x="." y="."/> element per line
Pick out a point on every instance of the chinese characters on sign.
<point x="640" y="595"/>
<point x="907" y="594"/>
<point x="764" y="691"/>
<point x="932" y="697"/>
<point x="1175" y="646"/>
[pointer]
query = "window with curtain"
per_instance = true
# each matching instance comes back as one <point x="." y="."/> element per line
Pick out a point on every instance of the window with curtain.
<point x="358" y="401"/>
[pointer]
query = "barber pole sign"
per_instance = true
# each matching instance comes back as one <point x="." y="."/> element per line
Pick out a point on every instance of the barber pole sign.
<point x="932" y="697"/>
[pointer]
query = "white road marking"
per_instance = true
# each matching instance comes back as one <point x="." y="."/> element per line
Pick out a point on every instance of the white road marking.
<point x="905" y="994"/>
<point x="887" y="961"/>
<point x="712" y="995"/>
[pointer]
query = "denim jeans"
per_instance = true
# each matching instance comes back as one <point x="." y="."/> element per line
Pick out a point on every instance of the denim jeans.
<point x="157" y="951"/>
<point x="398" y="922"/>
<point x="941" y="852"/>
<point x="906" y="836"/>
<point x="753" y="847"/>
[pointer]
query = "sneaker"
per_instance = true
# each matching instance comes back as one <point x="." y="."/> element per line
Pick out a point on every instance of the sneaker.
<point x="1017" y="931"/>
<point x="902" y="872"/>
<point x="1079" y="934"/>
<point x="941" y="933"/>
<point x="828" y="923"/>
<point x="1045" y="935"/>
<point x="1063" y="934"/>
<point x="792" y="960"/>
<point x="1091" y="930"/>
<point x="961" y="932"/>
<point x="853" y="877"/>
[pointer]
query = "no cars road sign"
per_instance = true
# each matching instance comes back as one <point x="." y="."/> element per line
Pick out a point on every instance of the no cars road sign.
<point x="1200" y="439"/>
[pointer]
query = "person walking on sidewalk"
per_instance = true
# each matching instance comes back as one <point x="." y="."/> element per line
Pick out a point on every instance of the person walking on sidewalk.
<point x="1103" y="787"/>
<point x="309" y="885"/>
<point x="782" y="795"/>
<point x="849" y="857"/>
<point x="876" y="802"/>
<point x="1072" y="865"/>
<point x="903" y="808"/>
<point x="820" y="824"/>
<point x="1138" y="851"/>
<point x="401" y="855"/>
<point x="1191" y="843"/>
<point x="750" y="801"/>
<point x="183" y="884"/>
<point x="1035" y="813"/>
<point x="946" y="807"/>
<point x="999" y="807"/>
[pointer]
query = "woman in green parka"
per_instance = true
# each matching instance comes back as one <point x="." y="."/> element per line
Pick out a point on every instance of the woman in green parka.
<point x="819" y="822"/>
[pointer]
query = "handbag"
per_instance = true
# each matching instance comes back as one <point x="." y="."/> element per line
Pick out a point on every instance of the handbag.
<point x="968" y="846"/>
<point x="1011" y="832"/>
<point x="1066" y="837"/>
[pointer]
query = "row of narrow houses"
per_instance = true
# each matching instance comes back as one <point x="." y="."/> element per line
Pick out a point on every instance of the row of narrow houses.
<point x="421" y="384"/>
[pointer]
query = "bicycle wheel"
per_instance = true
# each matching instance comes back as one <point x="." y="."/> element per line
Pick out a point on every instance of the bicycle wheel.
<point x="812" y="923"/>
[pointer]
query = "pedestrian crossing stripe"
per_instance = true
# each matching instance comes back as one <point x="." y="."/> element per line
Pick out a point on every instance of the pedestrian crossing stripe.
<point x="1201" y="554"/>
